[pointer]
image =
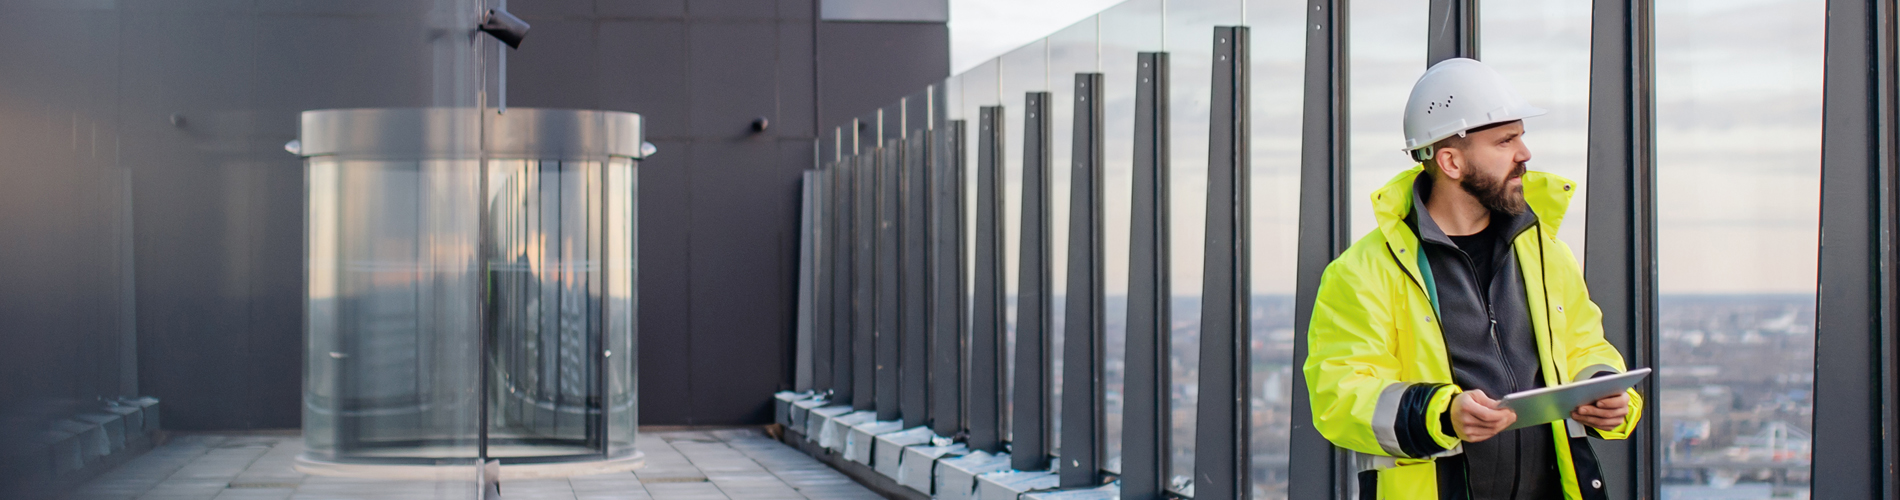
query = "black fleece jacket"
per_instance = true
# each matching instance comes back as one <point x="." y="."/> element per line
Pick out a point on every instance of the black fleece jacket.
<point x="1489" y="338"/>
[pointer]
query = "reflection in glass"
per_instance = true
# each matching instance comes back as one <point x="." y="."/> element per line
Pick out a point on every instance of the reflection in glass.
<point x="460" y="312"/>
<point x="393" y="295"/>
<point x="1738" y="134"/>
<point x="547" y="325"/>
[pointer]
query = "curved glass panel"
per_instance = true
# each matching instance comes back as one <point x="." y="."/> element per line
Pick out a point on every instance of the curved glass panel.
<point x="394" y="291"/>
<point x="623" y="305"/>
<point x="1738" y="135"/>
<point x="459" y="310"/>
<point x="552" y="305"/>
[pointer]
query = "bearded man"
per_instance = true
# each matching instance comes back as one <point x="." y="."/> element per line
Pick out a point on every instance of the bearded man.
<point x="1462" y="295"/>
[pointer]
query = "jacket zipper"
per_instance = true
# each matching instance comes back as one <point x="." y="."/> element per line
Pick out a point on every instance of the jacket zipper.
<point x="1497" y="346"/>
<point x="1491" y="316"/>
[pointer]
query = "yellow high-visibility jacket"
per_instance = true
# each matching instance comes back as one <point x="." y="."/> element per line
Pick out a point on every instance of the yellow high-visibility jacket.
<point x="1373" y="335"/>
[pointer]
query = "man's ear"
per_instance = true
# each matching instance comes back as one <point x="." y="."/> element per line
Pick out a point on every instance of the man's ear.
<point x="1451" y="162"/>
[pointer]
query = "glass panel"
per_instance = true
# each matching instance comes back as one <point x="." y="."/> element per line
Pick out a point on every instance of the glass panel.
<point x="544" y="377"/>
<point x="1189" y="39"/>
<point x="322" y="181"/>
<point x="1738" y="118"/>
<point x="1543" y="48"/>
<point x="1278" y="73"/>
<point x="1388" y="55"/>
<point x="950" y="106"/>
<point x="623" y="303"/>
<point x="978" y="88"/>
<point x="392" y="294"/>
<point x="1128" y="28"/>
<point x="1020" y="71"/>
<point x="1072" y="50"/>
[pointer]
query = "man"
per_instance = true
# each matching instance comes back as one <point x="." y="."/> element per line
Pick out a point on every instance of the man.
<point x="1462" y="295"/>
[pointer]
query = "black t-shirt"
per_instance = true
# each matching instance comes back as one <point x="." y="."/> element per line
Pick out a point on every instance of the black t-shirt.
<point x="1482" y="247"/>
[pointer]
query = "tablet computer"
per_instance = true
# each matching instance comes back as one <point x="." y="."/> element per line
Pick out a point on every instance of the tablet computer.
<point x="1550" y="404"/>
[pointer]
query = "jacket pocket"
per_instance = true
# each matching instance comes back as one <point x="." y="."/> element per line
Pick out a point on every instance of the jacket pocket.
<point x="1409" y="482"/>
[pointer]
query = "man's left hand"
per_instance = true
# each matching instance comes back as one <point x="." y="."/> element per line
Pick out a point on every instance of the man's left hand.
<point x="1605" y="414"/>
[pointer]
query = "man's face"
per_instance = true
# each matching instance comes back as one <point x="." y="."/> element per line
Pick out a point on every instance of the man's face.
<point x="1493" y="165"/>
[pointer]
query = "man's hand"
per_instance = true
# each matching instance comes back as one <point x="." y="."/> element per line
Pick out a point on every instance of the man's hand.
<point x="1476" y="417"/>
<point x="1605" y="414"/>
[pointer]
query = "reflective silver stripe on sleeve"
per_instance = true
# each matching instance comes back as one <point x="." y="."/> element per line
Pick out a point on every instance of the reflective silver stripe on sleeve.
<point x="1385" y="418"/>
<point x="1362" y="462"/>
<point x="1593" y="370"/>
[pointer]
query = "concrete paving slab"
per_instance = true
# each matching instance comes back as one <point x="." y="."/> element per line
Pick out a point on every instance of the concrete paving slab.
<point x="738" y="464"/>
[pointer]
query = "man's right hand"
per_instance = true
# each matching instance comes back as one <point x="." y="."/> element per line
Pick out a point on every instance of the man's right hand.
<point x="1476" y="417"/>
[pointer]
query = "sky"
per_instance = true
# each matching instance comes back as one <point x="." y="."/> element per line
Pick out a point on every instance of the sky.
<point x="982" y="29"/>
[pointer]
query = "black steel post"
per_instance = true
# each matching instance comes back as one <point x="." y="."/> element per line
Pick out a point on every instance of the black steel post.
<point x="865" y="260"/>
<point x="1146" y="416"/>
<point x="914" y="364"/>
<point x="1083" y="346"/>
<point x="1620" y="241"/>
<point x="814" y="347"/>
<point x="987" y="321"/>
<point x="1451" y="30"/>
<point x="1325" y="230"/>
<point x="948" y="288"/>
<point x="843" y="244"/>
<point x="1030" y="422"/>
<point x="1222" y="428"/>
<point x="824" y="211"/>
<point x="890" y="278"/>
<point x="1854" y="344"/>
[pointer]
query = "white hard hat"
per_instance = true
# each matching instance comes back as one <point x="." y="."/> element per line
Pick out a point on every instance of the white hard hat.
<point x="1457" y="95"/>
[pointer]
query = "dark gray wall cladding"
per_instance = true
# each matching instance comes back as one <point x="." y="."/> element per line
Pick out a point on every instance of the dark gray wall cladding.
<point x="59" y="267"/>
<point x="215" y="226"/>
<point x="174" y="271"/>
<point x="719" y="204"/>
<point x="864" y="66"/>
<point x="218" y="203"/>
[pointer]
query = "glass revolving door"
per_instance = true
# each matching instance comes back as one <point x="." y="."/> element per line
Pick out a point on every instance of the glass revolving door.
<point x="470" y="291"/>
<point x="553" y="305"/>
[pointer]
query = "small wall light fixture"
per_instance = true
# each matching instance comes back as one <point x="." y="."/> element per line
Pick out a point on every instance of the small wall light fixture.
<point x="505" y="27"/>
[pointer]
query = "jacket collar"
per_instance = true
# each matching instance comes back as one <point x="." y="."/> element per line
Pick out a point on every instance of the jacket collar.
<point x="1421" y="219"/>
<point x="1548" y="196"/>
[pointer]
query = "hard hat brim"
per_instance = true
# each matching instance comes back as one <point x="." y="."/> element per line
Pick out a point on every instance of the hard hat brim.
<point x="1492" y="118"/>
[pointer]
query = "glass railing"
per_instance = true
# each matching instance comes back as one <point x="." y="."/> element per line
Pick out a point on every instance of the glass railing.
<point x="1738" y="177"/>
<point x="1736" y="173"/>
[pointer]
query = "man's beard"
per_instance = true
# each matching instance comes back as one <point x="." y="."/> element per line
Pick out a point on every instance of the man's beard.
<point x="1495" y="193"/>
